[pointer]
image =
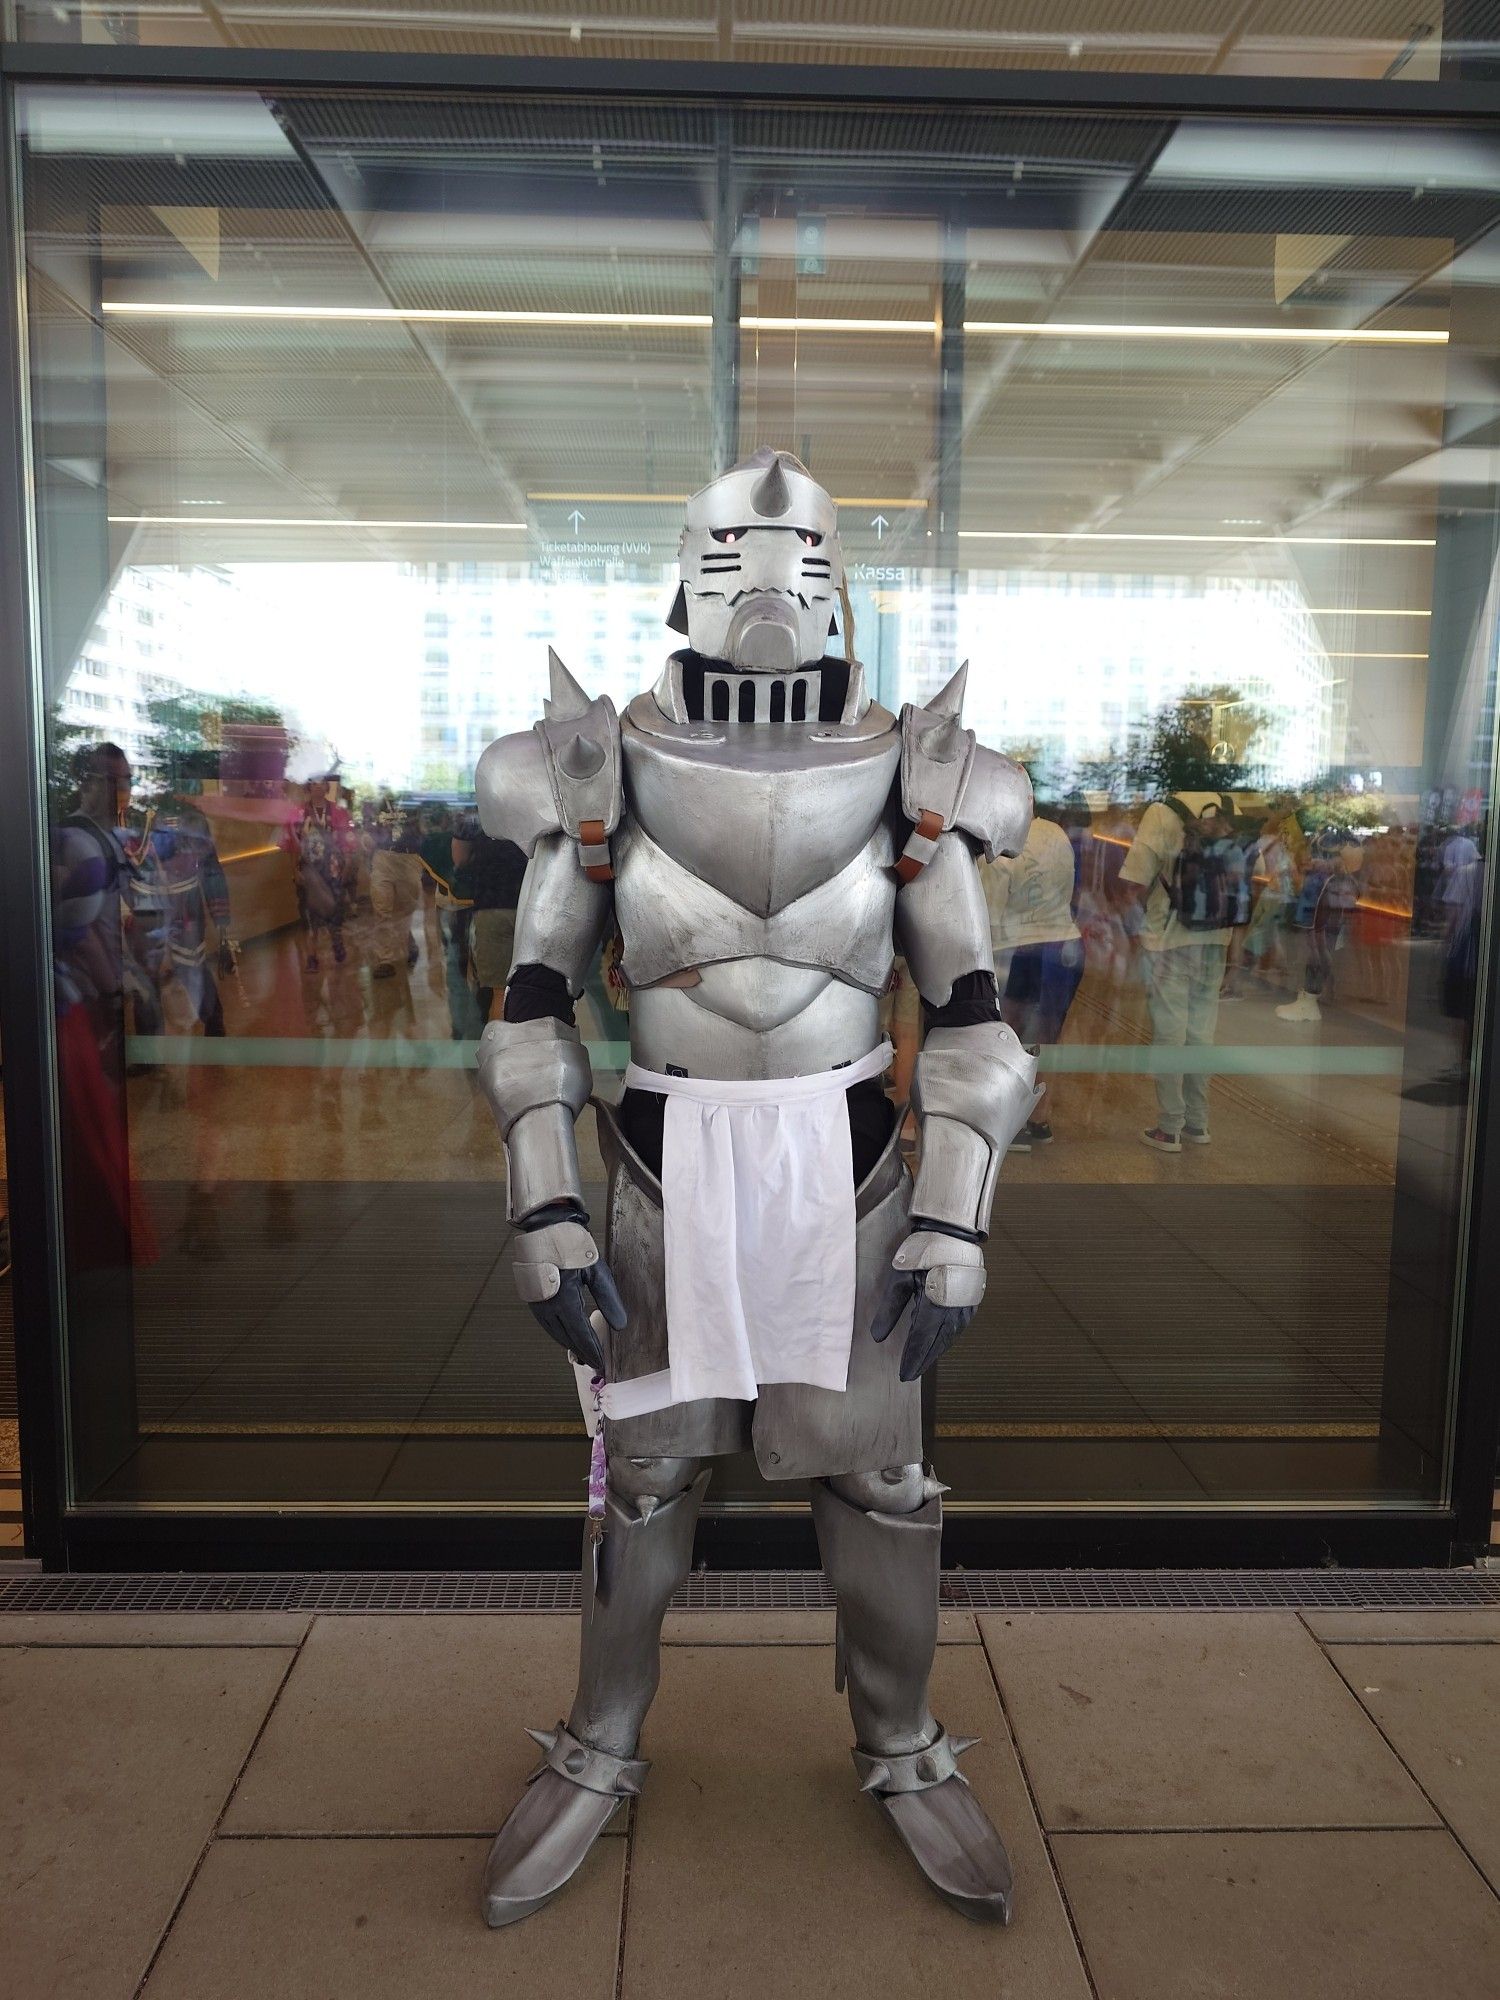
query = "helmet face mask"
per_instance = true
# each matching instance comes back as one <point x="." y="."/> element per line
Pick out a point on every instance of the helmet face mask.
<point x="761" y="566"/>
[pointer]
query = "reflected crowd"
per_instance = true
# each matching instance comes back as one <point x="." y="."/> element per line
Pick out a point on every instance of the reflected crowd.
<point x="1152" y="945"/>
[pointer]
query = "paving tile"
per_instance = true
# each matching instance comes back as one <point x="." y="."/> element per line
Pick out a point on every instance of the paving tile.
<point x="1440" y="1706"/>
<point x="408" y="1725"/>
<point x="127" y="1628"/>
<point x="113" y="1768"/>
<point x="787" y="1628"/>
<point x="1191" y="1719"/>
<point x="757" y="1868"/>
<point x="1402" y="1627"/>
<point x="382" y="1920"/>
<point x="1281" y="1916"/>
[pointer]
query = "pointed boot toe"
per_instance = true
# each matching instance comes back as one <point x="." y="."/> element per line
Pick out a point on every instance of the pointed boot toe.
<point x="946" y="1832"/>
<point x="542" y="1846"/>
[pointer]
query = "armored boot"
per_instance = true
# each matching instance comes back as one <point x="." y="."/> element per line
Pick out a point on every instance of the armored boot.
<point x="883" y="1563"/>
<point x="589" y="1766"/>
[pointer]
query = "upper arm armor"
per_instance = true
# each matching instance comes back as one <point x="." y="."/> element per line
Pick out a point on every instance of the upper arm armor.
<point x="561" y="776"/>
<point x="995" y="809"/>
<point x="516" y="800"/>
<point x="943" y="922"/>
<point x="562" y="912"/>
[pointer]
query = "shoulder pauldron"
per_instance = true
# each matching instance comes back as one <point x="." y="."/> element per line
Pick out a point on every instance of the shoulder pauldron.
<point x="949" y="780"/>
<point x="563" y="775"/>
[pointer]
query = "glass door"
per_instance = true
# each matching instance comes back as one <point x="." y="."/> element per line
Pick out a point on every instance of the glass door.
<point x="345" y="408"/>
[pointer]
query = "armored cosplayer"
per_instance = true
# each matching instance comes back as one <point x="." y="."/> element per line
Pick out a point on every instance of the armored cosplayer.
<point x="765" y="837"/>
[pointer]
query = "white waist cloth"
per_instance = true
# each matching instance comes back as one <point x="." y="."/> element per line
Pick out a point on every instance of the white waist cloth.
<point x="758" y="1201"/>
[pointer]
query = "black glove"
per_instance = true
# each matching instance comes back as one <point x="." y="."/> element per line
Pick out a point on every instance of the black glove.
<point x="562" y="1277"/>
<point x="939" y="1276"/>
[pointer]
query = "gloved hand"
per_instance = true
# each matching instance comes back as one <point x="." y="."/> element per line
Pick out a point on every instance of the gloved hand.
<point x="941" y="1278"/>
<point x="561" y="1276"/>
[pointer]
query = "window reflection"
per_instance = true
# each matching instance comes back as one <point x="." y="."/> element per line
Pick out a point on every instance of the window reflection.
<point x="1357" y="38"/>
<point x="344" y="416"/>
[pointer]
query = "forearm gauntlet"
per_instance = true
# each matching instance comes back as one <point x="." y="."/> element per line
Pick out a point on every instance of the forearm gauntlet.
<point x="537" y="1078"/>
<point x="972" y="1091"/>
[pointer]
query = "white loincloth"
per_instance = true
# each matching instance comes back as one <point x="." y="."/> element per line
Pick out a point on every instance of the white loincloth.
<point x="758" y="1203"/>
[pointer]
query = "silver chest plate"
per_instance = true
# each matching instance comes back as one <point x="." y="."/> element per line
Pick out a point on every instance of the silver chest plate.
<point x="671" y="919"/>
<point x="763" y="813"/>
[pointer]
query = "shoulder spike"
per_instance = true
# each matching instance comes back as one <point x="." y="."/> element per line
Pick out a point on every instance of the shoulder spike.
<point x="878" y="1775"/>
<point x="771" y="496"/>
<point x="944" y="742"/>
<point x="581" y="758"/>
<point x="950" y="699"/>
<point x="566" y="699"/>
<point x="544" y="1739"/>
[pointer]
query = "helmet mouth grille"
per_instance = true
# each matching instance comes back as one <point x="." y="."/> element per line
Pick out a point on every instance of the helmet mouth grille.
<point x="762" y="698"/>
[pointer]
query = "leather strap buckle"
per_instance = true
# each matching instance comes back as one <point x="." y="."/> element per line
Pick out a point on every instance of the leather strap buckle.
<point x="920" y="846"/>
<point x="593" y="851"/>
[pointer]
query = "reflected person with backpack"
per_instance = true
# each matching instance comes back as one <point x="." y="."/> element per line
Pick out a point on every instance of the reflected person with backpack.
<point x="1187" y="889"/>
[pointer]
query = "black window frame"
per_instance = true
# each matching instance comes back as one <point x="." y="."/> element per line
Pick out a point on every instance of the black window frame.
<point x="211" y="1538"/>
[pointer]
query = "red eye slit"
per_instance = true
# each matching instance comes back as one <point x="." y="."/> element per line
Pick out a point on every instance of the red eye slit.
<point x="726" y="534"/>
<point x="809" y="537"/>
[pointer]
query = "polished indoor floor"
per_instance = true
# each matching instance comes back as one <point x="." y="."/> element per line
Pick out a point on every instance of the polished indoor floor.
<point x="1258" y="1805"/>
<point x="326" y="1313"/>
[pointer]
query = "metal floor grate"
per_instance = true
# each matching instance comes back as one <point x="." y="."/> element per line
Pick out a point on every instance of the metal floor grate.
<point x="763" y="1590"/>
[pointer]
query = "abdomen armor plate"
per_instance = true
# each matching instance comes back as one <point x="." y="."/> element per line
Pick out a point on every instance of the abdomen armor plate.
<point x="672" y="920"/>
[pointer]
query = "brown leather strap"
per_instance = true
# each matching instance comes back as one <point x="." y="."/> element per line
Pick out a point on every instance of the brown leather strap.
<point x="929" y="825"/>
<point x="591" y="834"/>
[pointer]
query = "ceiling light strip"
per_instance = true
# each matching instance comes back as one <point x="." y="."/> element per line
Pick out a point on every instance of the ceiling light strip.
<point x="416" y="315"/>
<point x="311" y="521"/>
<point x="1234" y="541"/>
<point x="776" y="323"/>
<point x="681" y="499"/>
<point x="965" y="534"/>
<point x="1368" y="336"/>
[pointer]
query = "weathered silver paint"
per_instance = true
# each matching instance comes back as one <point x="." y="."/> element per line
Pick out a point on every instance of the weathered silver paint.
<point x="700" y="1028"/>
<point x="570" y="1800"/>
<point x="973" y="1089"/>
<point x="562" y="915"/>
<point x="764" y="813"/>
<point x="514" y="790"/>
<point x="755" y="592"/>
<point x="885" y="1569"/>
<point x="541" y="1162"/>
<point x="537" y="1078"/>
<point x="755" y="890"/>
<point x="673" y="921"/>
<point x="996" y="805"/>
<point x="943" y="922"/>
<point x="526" y="1063"/>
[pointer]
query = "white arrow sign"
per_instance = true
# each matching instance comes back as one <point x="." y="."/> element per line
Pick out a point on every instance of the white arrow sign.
<point x="880" y="524"/>
<point x="575" y="517"/>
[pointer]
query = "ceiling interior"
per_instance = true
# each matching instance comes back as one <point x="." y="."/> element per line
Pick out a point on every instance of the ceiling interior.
<point x="186" y="251"/>
<point x="1355" y="38"/>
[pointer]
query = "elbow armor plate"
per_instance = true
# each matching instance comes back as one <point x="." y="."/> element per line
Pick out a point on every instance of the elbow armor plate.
<point x="537" y="1078"/>
<point x="972" y="1091"/>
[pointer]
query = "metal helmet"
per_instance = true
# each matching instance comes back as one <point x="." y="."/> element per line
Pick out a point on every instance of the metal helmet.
<point x="761" y="566"/>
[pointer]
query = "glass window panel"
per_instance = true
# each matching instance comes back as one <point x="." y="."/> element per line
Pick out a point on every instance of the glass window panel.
<point x="1416" y="40"/>
<point x="345" y="409"/>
